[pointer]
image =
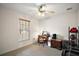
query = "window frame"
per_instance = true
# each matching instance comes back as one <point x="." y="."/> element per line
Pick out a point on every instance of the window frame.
<point x="27" y="23"/>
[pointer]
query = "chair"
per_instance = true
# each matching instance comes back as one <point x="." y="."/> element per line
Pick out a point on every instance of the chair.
<point x="68" y="50"/>
<point x="42" y="39"/>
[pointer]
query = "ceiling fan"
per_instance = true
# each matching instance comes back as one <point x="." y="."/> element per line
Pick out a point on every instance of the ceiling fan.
<point x="43" y="10"/>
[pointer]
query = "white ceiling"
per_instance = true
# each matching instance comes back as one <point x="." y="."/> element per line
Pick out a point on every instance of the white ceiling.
<point x="32" y="8"/>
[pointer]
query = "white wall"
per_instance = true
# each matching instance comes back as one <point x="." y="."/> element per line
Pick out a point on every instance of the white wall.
<point x="78" y="17"/>
<point x="9" y="30"/>
<point x="59" y="24"/>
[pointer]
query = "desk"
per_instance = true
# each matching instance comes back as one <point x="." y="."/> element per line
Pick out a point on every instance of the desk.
<point x="55" y="43"/>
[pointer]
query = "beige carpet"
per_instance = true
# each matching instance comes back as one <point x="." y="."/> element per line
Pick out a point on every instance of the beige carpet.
<point x="35" y="50"/>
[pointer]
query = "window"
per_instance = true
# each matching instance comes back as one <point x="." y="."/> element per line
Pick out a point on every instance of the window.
<point x="24" y="29"/>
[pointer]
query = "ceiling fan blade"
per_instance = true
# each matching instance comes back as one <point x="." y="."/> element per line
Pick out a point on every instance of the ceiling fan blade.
<point x="51" y="11"/>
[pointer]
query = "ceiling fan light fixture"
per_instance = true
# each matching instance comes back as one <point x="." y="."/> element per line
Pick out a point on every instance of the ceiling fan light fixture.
<point x="41" y="14"/>
<point x="42" y="8"/>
